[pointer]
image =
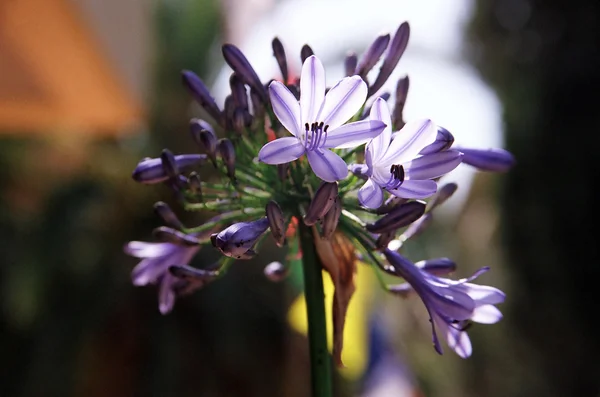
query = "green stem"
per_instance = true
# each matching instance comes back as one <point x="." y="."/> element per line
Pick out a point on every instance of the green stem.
<point x="320" y="361"/>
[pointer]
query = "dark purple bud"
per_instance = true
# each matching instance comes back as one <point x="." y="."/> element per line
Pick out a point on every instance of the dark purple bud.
<point x="385" y="239"/>
<point x="237" y="240"/>
<point x="276" y="222"/>
<point x="191" y="279"/>
<point x="390" y="204"/>
<point x="330" y="221"/>
<point x="167" y="215"/>
<point x="443" y="141"/>
<point x="400" y="216"/>
<point x="240" y="65"/>
<point x="169" y="235"/>
<point x="350" y="64"/>
<point x="239" y="120"/>
<point x="495" y="160"/>
<point x="169" y="164"/>
<point x="258" y="106"/>
<point x="279" y="54"/>
<point x="306" y="52"/>
<point x="438" y="266"/>
<point x="238" y="92"/>
<point x="152" y="171"/>
<point x="282" y="170"/>
<point x="202" y="95"/>
<point x="195" y="184"/>
<point x="401" y="93"/>
<point x="204" y="136"/>
<point x="228" y="112"/>
<point x="393" y="55"/>
<point x="372" y="55"/>
<point x="443" y="194"/>
<point x="227" y="152"/>
<point x="276" y="271"/>
<point x="321" y="203"/>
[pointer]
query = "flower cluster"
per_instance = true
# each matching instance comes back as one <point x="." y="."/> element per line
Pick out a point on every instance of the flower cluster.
<point x="288" y="156"/>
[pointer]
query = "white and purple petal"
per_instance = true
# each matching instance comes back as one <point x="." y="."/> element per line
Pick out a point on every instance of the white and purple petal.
<point x="432" y="165"/>
<point x="353" y="134"/>
<point x="408" y="142"/>
<point x="370" y="195"/>
<point x="343" y="101"/>
<point x="312" y="88"/>
<point x="286" y="108"/>
<point x="415" y="189"/>
<point x="281" y="150"/>
<point x="379" y="145"/>
<point x="486" y="314"/>
<point x="327" y="165"/>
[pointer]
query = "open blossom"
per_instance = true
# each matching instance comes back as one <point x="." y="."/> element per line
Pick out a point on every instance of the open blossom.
<point x="452" y="304"/>
<point x="317" y="121"/>
<point x="394" y="165"/>
<point x="154" y="267"/>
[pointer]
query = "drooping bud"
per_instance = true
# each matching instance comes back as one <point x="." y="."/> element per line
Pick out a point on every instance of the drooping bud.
<point x="400" y="216"/>
<point x="237" y="240"/>
<point x="306" y="52"/>
<point x="169" y="164"/>
<point x="393" y="55"/>
<point x="276" y="222"/>
<point x="163" y="210"/>
<point x="227" y="152"/>
<point x="152" y="171"/>
<point x="385" y="239"/>
<point x="282" y="170"/>
<point x="350" y="64"/>
<point x="390" y="204"/>
<point x="195" y="184"/>
<point x="372" y="55"/>
<point x="495" y="160"/>
<point x="258" y="106"/>
<point x="443" y="141"/>
<point x="229" y="106"/>
<point x="239" y="120"/>
<point x="443" y="194"/>
<point x="276" y="271"/>
<point x="437" y="267"/>
<point x="202" y="95"/>
<point x="279" y="54"/>
<point x="321" y="203"/>
<point x="332" y="217"/>
<point x="204" y="136"/>
<point x="191" y="279"/>
<point x="401" y="94"/>
<point x="169" y="235"/>
<point x="238" y="92"/>
<point x="240" y="65"/>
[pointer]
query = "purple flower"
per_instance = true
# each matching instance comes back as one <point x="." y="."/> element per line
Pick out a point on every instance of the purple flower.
<point x="237" y="240"/>
<point x="316" y="122"/>
<point x="154" y="267"/>
<point x="153" y="171"/>
<point x="452" y="304"/>
<point x="393" y="165"/>
<point x="494" y="160"/>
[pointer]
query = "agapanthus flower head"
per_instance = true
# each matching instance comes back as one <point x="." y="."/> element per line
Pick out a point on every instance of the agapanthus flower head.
<point x="317" y="121"/>
<point x="452" y="304"/>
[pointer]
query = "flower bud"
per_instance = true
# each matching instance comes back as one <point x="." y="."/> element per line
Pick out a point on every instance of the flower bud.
<point x="169" y="164"/>
<point x="372" y="55"/>
<point x="204" y="136"/>
<point x="306" y="52"/>
<point x="227" y="152"/>
<point x="321" y="203"/>
<point x="238" y="92"/>
<point x="276" y="222"/>
<point x="385" y="239"/>
<point x="401" y="93"/>
<point x="282" y="171"/>
<point x="350" y="64"/>
<point x="276" y="271"/>
<point x="152" y="171"/>
<point x="495" y="160"/>
<point x="330" y="221"/>
<point x="390" y="204"/>
<point x="443" y="141"/>
<point x="395" y="50"/>
<point x="236" y="240"/>
<point x="258" y="106"/>
<point x="443" y="194"/>
<point x="190" y="279"/>
<point x="202" y="95"/>
<point x="240" y="65"/>
<point x="437" y="266"/>
<point x="195" y="184"/>
<point x="398" y="217"/>
<point x="279" y="54"/>
<point x="167" y="215"/>
<point x="169" y="235"/>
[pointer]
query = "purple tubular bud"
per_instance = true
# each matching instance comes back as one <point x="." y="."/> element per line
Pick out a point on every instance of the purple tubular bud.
<point x="443" y="141"/>
<point x="401" y="94"/>
<point x="390" y="204"/>
<point x="417" y="227"/>
<point x="384" y="239"/>
<point x="495" y="160"/>
<point x="276" y="222"/>
<point x="240" y="65"/>
<point x="437" y="266"/>
<point x="279" y="54"/>
<point x="393" y="55"/>
<point x="238" y="92"/>
<point x="321" y="203"/>
<point x="400" y="216"/>
<point x="169" y="164"/>
<point x="372" y="55"/>
<point x="239" y="120"/>
<point x="237" y="240"/>
<point x="282" y="170"/>
<point x="169" y="235"/>
<point x="443" y="194"/>
<point x="227" y="152"/>
<point x="276" y="271"/>
<point x="204" y="136"/>
<point x="195" y="184"/>
<point x="228" y="112"/>
<point x="330" y="221"/>
<point x="350" y="64"/>
<point x="202" y="95"/>
<point x="258" y="106"/>
<point x="151" y="171"/>
<point x="190" y="279"/>
<point x="306" y="52"/>
<point x="167" y="215"/>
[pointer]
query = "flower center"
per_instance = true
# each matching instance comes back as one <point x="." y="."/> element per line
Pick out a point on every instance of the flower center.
<point x="396" y="177"/>
<point x="315" y="135"/>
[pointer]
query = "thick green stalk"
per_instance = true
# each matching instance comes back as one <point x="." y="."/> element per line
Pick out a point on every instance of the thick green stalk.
<point x="320" y="361"/>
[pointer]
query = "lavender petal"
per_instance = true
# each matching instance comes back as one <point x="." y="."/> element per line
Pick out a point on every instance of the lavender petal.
<point x="370" y="195"/>
<point x="281" y="150"/>
<point x="359" y="170"/>
<point x="409" y="141"/>
<point x="415" y="189"/>
<point x="327" y="165"/>
<point x="353" y="134"/>
<point x="166" y="295"/>
<point x="495" y="160"/>
<point x="286" y="108"/>
<point x="486" y="314"/>
<point x="433" y="165"/>
<point x="443" y="141"/>
<point x="343" y="101"/>
<point x="379" y="145"/>
<point x="312" y="88"/>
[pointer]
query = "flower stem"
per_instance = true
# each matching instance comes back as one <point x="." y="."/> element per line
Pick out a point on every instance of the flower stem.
<point x="320" y="361"/>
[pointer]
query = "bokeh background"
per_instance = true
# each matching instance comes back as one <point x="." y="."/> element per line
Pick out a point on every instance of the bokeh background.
<point x="89" y="87"/>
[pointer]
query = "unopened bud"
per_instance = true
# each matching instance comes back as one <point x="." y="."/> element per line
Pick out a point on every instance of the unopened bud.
<point x="202" y="95"/>
<point x="240" y="65"/>
<point x="495" y="160"/>
<point x="237" y="240"/>
<point x="152" y="171"/>
<point x="306" y="52"/>
<point x="401" y="94"/>
<point x="279" y="54"/>
<point x="276" y="271"/>
<point x="443" y="194"/>
<point x="443" y="141"/>
<point x="169" y="235"/>
<point x="400" y="216"/>
<point x="227" y="152"/>
<point x="321" y="203"/>
<point x="372" y="55"/>
<point x="385" y="239"/>
<point x="238" y="92"/>
<point x="390" y="204"/>
<point x="195" y="184"/>
<point x="437" y="266"/>
<point x="350" y="64"/>
<point x="276" y="222"/>
<point x="282" y="171"/>
<point x="167" y="215"/>
<point x="332" y="217"/>
<point x="190" y="279"/>
<point x="169" y="164"/>
<point x="258" y="106"/>
<point x="204" y="136"/>
<point x="395" y="50"/>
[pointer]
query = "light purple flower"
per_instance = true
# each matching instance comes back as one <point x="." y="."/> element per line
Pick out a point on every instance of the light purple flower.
<point x="394" y="165"/>
<point x="316" y="122"/>
<point x="154" y="267"/>
<point x="237" y="240"/>
<point x="452" y="304"/>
